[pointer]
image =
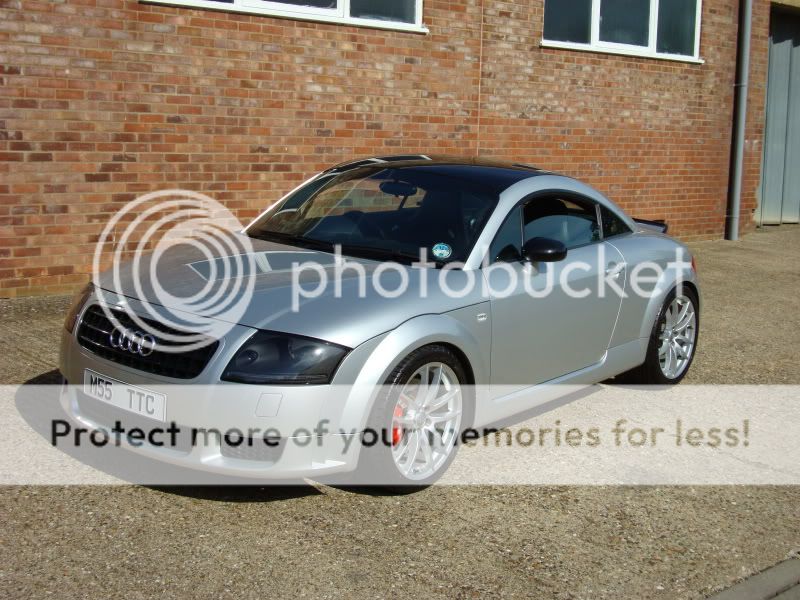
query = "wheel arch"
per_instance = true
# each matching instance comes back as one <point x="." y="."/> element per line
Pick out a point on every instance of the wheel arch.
<point x="693" y="286"/>
<point x="663" y="289"/>
<point x="462" y="358"/>
<point x="448" y="330"/>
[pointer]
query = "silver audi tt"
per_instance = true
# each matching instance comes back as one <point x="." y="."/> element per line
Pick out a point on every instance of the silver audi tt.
<point x="383" y="309"/>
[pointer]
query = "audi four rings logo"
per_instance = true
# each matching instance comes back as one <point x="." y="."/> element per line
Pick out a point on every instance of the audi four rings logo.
<point x="135" y="342"/>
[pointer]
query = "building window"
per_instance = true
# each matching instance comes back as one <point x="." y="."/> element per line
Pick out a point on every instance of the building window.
<point x="405" y="15"/>
<point x="653" y="28"/>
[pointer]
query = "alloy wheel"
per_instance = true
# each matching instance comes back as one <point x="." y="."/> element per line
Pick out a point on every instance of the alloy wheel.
<point x="677" y="337"/>
<point x="426" y="421"/>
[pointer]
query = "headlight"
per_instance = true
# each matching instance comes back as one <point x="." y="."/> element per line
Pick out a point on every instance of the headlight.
<point x="284" y="359"/>
<point x="75" y="308"/>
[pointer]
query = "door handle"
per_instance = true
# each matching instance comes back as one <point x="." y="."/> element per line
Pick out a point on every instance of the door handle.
<point x="614" y="269"/>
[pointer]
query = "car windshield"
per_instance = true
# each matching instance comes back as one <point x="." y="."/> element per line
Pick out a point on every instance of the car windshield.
<point x="383" y="213"/>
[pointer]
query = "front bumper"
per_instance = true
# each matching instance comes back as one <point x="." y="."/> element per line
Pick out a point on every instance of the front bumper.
<point x="208" y="449"/>
<point x="304" y="424"/>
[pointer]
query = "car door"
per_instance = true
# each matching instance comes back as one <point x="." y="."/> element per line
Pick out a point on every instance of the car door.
<point x="551" y="318"/>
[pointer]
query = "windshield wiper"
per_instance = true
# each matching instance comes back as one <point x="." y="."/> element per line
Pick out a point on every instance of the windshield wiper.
<point x="293" y="240"/>
<point x="397" y="255"/>
<point x="353" y="249"/>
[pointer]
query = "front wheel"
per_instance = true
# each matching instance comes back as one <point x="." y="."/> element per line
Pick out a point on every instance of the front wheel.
<point x="673" y="341"/>
<point x="416" y="422"/>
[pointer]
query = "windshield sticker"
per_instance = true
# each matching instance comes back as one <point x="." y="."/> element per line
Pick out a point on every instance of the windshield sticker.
<point x="442" y="251"/>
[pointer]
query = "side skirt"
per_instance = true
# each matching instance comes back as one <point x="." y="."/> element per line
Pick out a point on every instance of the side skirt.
<point x="561" y="390"/>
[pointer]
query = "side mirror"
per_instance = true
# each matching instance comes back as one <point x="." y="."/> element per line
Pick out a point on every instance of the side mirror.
<point x="541" y="249"/>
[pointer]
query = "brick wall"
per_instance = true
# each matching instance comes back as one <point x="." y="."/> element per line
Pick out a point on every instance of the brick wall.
<point x="103" y="100"/>
<point x="653" y="134"/>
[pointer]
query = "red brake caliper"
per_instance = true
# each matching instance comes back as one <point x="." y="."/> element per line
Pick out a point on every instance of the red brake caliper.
<point x="397" y="432"/>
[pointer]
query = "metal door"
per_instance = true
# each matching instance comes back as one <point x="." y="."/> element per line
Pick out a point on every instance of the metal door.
<point x="780" y="177"/>
<point x="536" y="339"/>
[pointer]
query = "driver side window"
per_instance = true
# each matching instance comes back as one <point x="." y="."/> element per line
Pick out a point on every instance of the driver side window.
<point x="571" y="221"/>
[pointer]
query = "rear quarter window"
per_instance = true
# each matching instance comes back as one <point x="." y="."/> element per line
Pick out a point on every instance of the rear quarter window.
<point x="612" y="224"/>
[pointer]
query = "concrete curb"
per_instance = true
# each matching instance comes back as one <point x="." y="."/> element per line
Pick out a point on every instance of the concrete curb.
<point x="779" y="582"/>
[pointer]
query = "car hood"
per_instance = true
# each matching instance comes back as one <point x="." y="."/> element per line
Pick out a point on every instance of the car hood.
<point x="347" y="314"/>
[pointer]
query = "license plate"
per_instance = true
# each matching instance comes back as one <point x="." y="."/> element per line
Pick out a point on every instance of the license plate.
<point x="125" y="396"/>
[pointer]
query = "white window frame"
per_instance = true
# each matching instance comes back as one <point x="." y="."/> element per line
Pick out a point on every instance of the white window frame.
<point x="307" y="13"/>
<point x="597" y="45"/>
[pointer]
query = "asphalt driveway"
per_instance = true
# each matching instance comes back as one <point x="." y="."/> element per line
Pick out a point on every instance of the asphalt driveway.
<point x="562" y="542"/>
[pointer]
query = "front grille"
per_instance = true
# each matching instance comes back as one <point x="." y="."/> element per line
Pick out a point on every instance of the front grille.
<point x="107" y="415"/>
<point x="94" y="335"/>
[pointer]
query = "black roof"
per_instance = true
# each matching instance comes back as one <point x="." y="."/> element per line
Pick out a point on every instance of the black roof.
<point x="486" y="173"/>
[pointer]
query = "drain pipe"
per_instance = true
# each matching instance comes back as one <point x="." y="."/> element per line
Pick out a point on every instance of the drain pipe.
<point x="740" y="120"/>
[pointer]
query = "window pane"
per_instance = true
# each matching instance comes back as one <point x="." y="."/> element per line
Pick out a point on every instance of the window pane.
<point x="568" y="20"/>
<point x="385" y="211"/>
<point x="612" y="224"/>
<point x="311" y="3"/>
<point x="676" y="27"/>
<point x="625" y="21"/>
<point x="507" y="244"/>
<point x="384" y="10"/>
<point x="571" y="223"/>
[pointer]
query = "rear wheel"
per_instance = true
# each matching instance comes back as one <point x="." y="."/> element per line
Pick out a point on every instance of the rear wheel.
<point x="417" y="421"/>
<point x="673" y="342"/>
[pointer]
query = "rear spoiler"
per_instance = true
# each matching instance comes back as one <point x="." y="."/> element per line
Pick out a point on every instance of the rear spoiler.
<point x="658" y="225"/>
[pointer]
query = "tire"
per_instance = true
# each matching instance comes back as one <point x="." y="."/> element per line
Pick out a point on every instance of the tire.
<point x="401" y="423"/>
<point x="656" y="367"/>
